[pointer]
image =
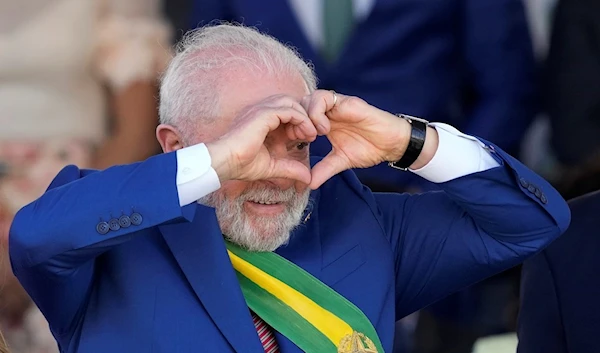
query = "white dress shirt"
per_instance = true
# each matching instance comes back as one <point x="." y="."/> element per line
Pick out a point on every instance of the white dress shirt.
<point x="457" y="155"/>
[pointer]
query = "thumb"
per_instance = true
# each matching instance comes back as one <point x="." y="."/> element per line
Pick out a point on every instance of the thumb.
<point x="290" y="169"/>
<point x="329" y="166"/>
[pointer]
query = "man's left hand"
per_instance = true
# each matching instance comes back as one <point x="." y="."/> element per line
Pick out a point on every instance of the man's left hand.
<point x="361" y="135"/>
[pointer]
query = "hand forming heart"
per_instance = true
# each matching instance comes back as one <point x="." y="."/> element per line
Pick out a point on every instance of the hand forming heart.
<point x="361" y="136"/>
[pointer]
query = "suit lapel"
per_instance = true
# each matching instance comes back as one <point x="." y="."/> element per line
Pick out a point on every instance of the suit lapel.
<point x="200" y="251"/>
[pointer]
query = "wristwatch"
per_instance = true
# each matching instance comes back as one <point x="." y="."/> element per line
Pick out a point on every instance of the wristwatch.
<point x="418" y="133"/>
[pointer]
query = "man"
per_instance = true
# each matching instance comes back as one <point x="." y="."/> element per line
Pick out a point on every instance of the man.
<point x="560" y="287"/>
<point x="126" y="260"/>
<point x="468" y="63"/>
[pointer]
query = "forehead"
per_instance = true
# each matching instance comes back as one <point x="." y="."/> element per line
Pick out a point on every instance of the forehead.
<point x="242" y="88"/>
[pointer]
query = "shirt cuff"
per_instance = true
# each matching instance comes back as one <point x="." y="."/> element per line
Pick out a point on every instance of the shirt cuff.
<point x="457" y="155"/>
<point x="195" y="176"/>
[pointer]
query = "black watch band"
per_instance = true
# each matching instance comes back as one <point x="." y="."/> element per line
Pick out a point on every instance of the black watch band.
<point x="418" y="133"/>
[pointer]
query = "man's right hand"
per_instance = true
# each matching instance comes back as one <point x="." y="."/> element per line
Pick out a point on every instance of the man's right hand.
<point x="241" y="153"/>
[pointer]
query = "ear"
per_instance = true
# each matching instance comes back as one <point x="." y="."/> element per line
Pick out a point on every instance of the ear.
<point x="169" y="138"/>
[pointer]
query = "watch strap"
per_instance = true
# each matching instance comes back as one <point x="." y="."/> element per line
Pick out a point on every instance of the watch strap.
<point x="418" y="133"/>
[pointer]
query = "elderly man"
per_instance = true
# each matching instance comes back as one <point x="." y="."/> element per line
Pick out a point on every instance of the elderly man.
<point x="231" y="242"/>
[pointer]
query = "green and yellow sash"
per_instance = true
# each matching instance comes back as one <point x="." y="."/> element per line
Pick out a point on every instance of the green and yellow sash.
<point x="299" y="306"/>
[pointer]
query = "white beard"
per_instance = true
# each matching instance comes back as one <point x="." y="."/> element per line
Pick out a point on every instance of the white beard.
<point x="256" y="233"/>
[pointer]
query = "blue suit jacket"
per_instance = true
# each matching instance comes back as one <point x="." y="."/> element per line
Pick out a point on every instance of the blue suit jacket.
<point x="468" y="63"/>
<point x="560" y="311"/>
<point x="167" y="285"/>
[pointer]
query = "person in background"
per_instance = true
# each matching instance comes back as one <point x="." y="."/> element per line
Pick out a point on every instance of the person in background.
<point x="573" y="85"/>
<point x="77" y="86"/>
<point x="559" y="290"/>
<point x="560" y="286"/>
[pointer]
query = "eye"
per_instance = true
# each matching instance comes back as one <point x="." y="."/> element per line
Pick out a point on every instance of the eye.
<point x="301" y="145"/>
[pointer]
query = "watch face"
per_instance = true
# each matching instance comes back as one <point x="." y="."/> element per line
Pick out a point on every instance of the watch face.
<point x="411" y="118"/>
<point x="393" y="165"/>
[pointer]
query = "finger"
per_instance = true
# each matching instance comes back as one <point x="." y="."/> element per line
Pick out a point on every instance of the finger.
<point x="326" y="168"/>
<point x="298" y="134"/>
<point x="290" y="132"/>
<point x="271" y="118"/>
<point x="304" y="129"/>
<point x="302" y="133"/>
<point x="290" y="102"/>
<point x="286" y="102"/>
<point x="294" y="133"/>
<point x="296" y="105"/>
<point x="302" y="136"/>
<point x="316" y="112"/>
<point x="290" y="169"/>
<point x="320" y="104"/>
<point x="310" y="138"/>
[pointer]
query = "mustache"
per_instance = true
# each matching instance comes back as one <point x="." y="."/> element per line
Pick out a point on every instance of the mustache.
<point x="268" y="194"/>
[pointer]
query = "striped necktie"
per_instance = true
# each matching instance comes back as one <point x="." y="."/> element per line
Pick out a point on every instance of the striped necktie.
<point x="265" y="334"/>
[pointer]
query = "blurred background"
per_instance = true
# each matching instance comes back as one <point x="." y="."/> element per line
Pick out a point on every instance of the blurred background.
<point x="79" y="78"/>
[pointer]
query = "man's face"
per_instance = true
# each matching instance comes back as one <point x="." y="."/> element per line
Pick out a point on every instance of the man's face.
<point x="260" y="215"/>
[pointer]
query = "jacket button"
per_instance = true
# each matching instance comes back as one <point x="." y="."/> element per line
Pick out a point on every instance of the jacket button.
<point x="538" y="193"/>
<point x="114" y="224"/>
<point x="543" y="199"/>
<point x="136" y="219"/>
<point x="524" y="183"/>
<point x="124" y="221"/>
<point x="531" y="188"/>
<point x="102" y="228"/>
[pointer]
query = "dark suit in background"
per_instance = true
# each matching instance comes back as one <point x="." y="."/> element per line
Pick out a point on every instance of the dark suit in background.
<point x="573" y="81"/>
<point x="178" y="13"/>
<point x="560" y="310"/>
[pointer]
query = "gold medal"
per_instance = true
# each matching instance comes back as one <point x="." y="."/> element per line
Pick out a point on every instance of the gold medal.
<point x="356" y="343"/>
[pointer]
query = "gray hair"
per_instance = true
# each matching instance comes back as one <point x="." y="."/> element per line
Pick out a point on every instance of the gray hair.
<point x="190" y="86"/>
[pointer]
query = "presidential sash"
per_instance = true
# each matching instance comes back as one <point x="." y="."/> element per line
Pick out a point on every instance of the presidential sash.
<point x="301" y="307"/>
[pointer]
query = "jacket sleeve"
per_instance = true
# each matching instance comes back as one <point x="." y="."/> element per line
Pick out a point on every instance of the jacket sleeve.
<point x="54" y="241"/>
<point x="540" y="323"/>
<point x="478" y="225"/>
<point x="501" y="70"/>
